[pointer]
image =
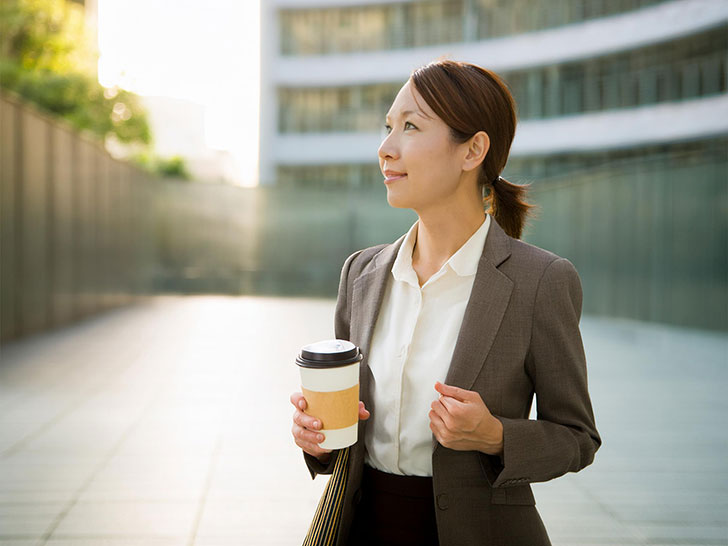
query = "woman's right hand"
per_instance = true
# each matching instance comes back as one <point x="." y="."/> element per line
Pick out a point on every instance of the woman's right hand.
<point x="306" y="428"/>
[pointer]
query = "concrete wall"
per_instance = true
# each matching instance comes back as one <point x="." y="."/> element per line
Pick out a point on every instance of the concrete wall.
<point x="74" y="225"/>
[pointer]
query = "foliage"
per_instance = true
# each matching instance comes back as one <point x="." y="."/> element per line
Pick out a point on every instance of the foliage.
<point x="170" y="167"/>
<point x="46" y="58"/>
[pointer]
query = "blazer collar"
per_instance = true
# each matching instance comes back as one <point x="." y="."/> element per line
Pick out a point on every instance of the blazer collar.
<point x="483" y="314"/>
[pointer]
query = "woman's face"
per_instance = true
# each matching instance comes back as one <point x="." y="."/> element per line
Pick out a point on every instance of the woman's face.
<point x="421" y="164"/>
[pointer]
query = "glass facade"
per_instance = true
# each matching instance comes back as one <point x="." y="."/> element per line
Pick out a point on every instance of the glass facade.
<point x="646" y="227"/>
<point x="691" y="67"/>
<point x="335" y="109"/>
<point x="520" y="170"/>
<point x="329" y="176"/>
<point x="694" y="66"/>
<point x="423" y="23"/>
<point x="561" y="166"/>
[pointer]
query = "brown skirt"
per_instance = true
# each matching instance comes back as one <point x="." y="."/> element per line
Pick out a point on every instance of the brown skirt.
<point x="394" y="510"/>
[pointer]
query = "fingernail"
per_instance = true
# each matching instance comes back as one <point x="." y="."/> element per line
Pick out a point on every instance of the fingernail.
<point x="300" y="404"/>
<point x="316" y="424"/>
<point x="320" y="437"/>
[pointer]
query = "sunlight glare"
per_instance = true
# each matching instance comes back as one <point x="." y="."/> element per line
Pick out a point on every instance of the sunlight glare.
<point x="204" y="52"/>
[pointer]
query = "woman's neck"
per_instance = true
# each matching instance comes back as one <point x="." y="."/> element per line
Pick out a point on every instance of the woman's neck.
<point x="440" y="234"/>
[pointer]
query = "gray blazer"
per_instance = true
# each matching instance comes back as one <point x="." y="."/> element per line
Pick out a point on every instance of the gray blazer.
<point x="519" y="337"/>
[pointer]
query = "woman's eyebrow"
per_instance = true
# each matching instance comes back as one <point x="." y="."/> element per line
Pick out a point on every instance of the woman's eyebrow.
<point x="407" y="112"/>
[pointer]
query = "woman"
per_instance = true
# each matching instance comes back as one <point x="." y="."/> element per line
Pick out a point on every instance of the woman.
<point x="460" y="324"/>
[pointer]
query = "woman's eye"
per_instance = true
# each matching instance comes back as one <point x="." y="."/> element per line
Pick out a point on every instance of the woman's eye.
<point x="388" y="129"/>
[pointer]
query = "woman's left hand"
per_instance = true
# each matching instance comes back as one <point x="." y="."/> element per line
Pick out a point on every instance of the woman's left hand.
<point x="460" y="420"/>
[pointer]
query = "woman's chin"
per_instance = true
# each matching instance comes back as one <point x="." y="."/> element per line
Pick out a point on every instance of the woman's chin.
<point x="398" y="205"/>
<point x="396" y="201"/>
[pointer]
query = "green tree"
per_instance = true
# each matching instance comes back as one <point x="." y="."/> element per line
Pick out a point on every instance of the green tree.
<point x="169" y="167"/>
<point x="47" y="58"/>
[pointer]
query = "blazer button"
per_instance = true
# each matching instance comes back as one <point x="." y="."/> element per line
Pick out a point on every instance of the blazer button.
<point x="357" y="496"/>
<point x="443" y="501"/>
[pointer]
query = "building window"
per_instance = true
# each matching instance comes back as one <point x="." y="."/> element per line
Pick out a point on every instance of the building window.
<point x="692" y="67"/>
<point x="324" y="31"/>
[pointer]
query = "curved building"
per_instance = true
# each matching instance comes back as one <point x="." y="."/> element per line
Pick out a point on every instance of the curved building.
<point x="608" y="93"/>
<point x="588" y="76"/>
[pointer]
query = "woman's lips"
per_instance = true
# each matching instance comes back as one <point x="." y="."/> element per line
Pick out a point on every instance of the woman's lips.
<point x="393" y="177"/>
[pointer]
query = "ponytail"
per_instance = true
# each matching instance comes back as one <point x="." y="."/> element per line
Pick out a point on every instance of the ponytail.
<point x="508" y="205"/>
<point x="470" y="98"/>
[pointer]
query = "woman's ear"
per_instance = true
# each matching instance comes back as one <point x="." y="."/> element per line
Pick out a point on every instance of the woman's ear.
<point x="478" y="146"/>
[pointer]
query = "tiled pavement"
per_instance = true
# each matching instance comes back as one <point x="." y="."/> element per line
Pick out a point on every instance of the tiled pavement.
<point x="168" y="423"/>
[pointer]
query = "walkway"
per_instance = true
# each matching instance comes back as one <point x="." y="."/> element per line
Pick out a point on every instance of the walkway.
<point x="168" y="423"/>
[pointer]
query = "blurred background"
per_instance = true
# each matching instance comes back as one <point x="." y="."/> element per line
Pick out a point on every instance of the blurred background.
<point x="140" y="171"/>
<point x="168" y="163"/>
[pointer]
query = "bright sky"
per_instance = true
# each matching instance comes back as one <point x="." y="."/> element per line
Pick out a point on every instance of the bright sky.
<point x="205" y="52"/>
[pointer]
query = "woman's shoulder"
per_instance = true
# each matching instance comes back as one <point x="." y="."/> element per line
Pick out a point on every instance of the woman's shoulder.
<point x="532" y="260"/>
<point x="527" y="251"/>
<point x="367" y="259"/>
<point x="359" y="260"/>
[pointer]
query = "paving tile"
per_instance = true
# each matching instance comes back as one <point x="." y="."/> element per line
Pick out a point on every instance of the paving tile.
<point x="589" y="541"/>
<point x="40" y="496"/>
<point x="675" y="513"/>
<point x="126" y="478"/>
<point x="683" y="531"/>
<point x="27" y="519"/>
<point x="135" y="519"/>
<point x="177" y="437"/>
<point x="150" y="417"/>
<point x="256" y="516"/>
<point x="120" y="541"/>
<point x="21" y="474"/>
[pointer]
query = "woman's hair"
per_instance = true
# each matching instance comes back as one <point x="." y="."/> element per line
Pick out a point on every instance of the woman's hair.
<point x="469" y="99"/>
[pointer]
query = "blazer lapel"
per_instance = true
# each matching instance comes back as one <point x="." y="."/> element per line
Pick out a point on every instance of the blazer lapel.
<point x="367" y="297"/>
<point x="484" y="312"/>
<point x="368" y="294"/>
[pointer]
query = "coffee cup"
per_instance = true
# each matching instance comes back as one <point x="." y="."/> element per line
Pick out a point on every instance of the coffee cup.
<point x="330" y="384"/>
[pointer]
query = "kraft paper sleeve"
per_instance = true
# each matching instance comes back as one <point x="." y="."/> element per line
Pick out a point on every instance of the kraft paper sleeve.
<point x="336" y="409"/>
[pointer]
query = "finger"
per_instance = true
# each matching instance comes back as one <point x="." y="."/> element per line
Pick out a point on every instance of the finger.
<point x="442" y="414"/>
<point x="306" y="421"/>
<point x="437" y="426"/>
<point x="364" y="413"/>
<point x="452" y="405"/>
<point x="312" y="449"/>
<point x="307" y="435"/>
<point x="298" y="400"/>
<point x="455" y="392"/>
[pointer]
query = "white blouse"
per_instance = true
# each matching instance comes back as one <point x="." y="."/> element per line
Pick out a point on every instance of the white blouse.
<point x="411" y="348"/>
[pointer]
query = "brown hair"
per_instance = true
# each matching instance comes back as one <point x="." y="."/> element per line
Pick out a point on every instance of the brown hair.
<point x="469" y="99"/>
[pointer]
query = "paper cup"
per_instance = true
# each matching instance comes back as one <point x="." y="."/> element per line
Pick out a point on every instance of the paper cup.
<point x="330" y="383"/>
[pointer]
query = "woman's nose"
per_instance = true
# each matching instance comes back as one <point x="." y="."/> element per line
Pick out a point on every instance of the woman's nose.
<point x="388" y="149"/>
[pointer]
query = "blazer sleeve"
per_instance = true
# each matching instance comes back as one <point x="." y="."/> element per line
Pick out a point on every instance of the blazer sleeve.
<point x="564" y="437"/>
<point x="342" y="320"/>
